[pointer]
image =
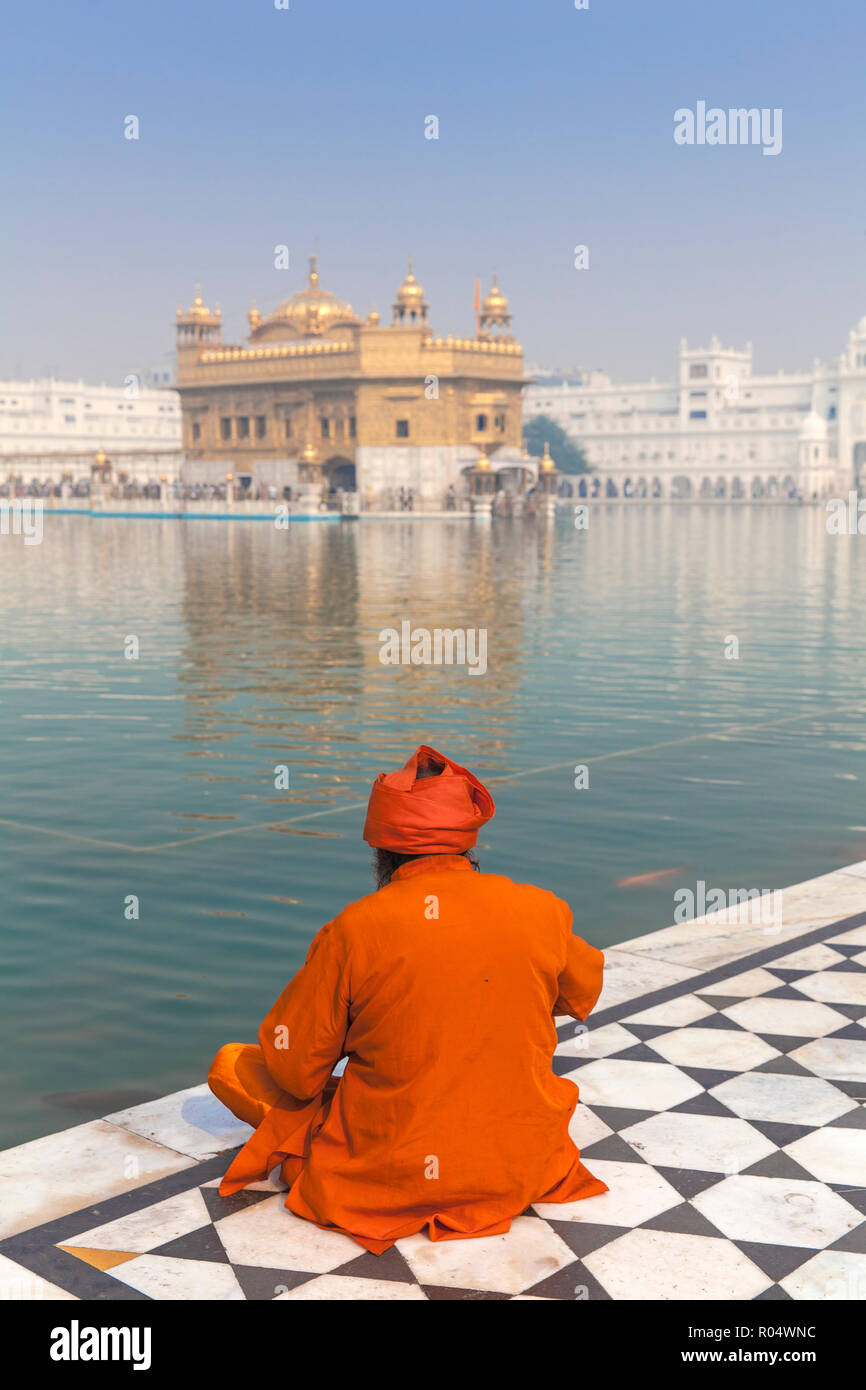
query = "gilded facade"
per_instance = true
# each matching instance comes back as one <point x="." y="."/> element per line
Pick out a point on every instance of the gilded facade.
<point x="319" y="396"/>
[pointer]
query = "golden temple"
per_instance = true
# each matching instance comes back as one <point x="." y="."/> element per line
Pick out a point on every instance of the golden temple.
<point x="319" y="394"/>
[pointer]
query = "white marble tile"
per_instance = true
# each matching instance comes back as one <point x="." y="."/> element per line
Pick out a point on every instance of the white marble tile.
<point x="586" y="1127"/>
<point x="50" y="1177"/>
<point x="596" y="1042"/>
<point x="634" y="1085"/>
<point x="332" y="1288"/>
<point x="818" y="957"/>
<point x="637" y="1193"/>
<point x="193" y="1122"/>
<point x="842" y="1059"/>
<point x="709" y="1143"/>
<point x="676" y="1013"/>
<point x="855" y="937"/>
<point x="719" y="1048"/>
<point x="858" y="870"/>
<point x="834" y="1275"/>
<point x="166" y="1278"/>
<point x="270" y="1237"/>
<point x="834" y="1155"/>
<point x="835" y="987"/>
<point x="628" y="975"/>
<point x="509" y="1263"/>
<point x="777" y="1211"/>
<point x="148" y="1227"/>
<point x="649" y="1265"/>
<point x="777" y="1098"/>
<point x="20" y="1284"/>
<point x="860" y="958"/>
<point x="750" y="983"/>
<point x="786" y="1017"/>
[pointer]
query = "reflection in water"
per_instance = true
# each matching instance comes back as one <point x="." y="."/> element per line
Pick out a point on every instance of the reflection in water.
<point x="259" y="649"/>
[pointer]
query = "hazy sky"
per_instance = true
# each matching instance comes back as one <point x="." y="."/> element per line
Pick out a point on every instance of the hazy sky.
<point x="305" y="126"/>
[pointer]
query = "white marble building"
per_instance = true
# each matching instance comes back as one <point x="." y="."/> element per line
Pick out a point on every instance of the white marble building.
<point x="49" y="427"/>
<point x="718" y="430"/>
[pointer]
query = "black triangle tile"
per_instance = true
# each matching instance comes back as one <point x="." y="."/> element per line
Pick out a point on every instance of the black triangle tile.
<point x="856" y="1196"/>
<point x="778" y="1165"/>
<point x="852" y="1011"/>
<point x="264" y="1284"/>
<point x="614" y="1147"/>
<point x="855" y="1031"/>
<point x="781" y="1134"/>
<point x="783" y="1042"/>
<point x="688" y="1182"/>
<point x="585" y="1236"/>
<point x="647" y="1030"/>
<point x="852" y="1119"/>
<point x="638" y="1053"/>
<point x="786" y="975"/>
<point x="852" y="1241"/>
<point x="776" y="1261"/>
<point x="774" y="1294"/>
<point x="708" y="1077"/>
<point x="845" y="948"/>
<point x="849" y="966"/>
<point x="201" y="1244"/>
<point x="447" y="1291"/>
<point x="718" y="1001"/>
<point x="784" y="1066"/>
<point x="855" y="1089"/>
<point x="718" y="1021"/>
<point x="617" y="1117"/>
<point x="574" y="1284"/>
<point x="703" y="1104"/>
<point x="564" y="1066"/>
<point x="219" y="1207"/>
<point x="786" y="992"/>
<point x="389" y="1265"/>
<point x="684" y="1220"/>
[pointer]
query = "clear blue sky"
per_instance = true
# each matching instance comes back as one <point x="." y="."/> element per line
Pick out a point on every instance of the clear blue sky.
<point x="306" y="127"/>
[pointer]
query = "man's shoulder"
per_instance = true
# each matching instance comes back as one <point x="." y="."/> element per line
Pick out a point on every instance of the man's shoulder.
<point x="541" y="899"/>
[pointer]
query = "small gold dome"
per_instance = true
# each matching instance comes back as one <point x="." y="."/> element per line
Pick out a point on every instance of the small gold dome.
<point x="410" y="292"/>
<point x="495" y="302"/>
<point x="198" y="309"/>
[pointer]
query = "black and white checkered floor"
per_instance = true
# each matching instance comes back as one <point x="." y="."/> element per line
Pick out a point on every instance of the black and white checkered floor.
<point x="725" y="1110"/>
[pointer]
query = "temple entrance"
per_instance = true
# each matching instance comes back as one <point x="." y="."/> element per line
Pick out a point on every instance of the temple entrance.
<point x="339" y="473"/>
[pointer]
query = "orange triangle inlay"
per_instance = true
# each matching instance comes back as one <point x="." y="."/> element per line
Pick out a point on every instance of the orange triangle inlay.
<point x="100" y="1259"/>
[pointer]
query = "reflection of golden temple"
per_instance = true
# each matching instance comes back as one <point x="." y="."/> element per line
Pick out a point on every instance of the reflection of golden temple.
<point x="388" y="405"/>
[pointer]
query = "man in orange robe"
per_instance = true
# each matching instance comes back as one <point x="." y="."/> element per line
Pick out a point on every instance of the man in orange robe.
<point x="440" y="990"/>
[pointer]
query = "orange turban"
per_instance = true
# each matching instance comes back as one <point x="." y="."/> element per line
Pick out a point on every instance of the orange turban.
<point x="439" y="814"/>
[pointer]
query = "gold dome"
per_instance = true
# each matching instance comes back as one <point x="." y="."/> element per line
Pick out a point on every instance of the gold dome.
<point x="495" y="302"/>
<point x="547" y="464"/>
<point x="309" y="313"/>
<point x="410" y="292"/>
<point x="198" y="310"/>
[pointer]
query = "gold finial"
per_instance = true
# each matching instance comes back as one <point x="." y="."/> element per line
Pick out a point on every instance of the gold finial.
<point x="547" y="462"/>
<point x="314" y="273"/>
<point x="197" y="299"/>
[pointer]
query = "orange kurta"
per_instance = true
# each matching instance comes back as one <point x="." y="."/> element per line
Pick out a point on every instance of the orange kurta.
<point x="441" y="990"/>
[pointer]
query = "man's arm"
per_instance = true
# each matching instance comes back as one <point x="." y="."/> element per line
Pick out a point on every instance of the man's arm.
<point x="580" y="981"/>
<point x="303" y="1035"/>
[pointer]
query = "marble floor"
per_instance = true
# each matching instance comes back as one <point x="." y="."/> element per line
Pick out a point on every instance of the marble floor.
<point x="722" y="1086"/>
